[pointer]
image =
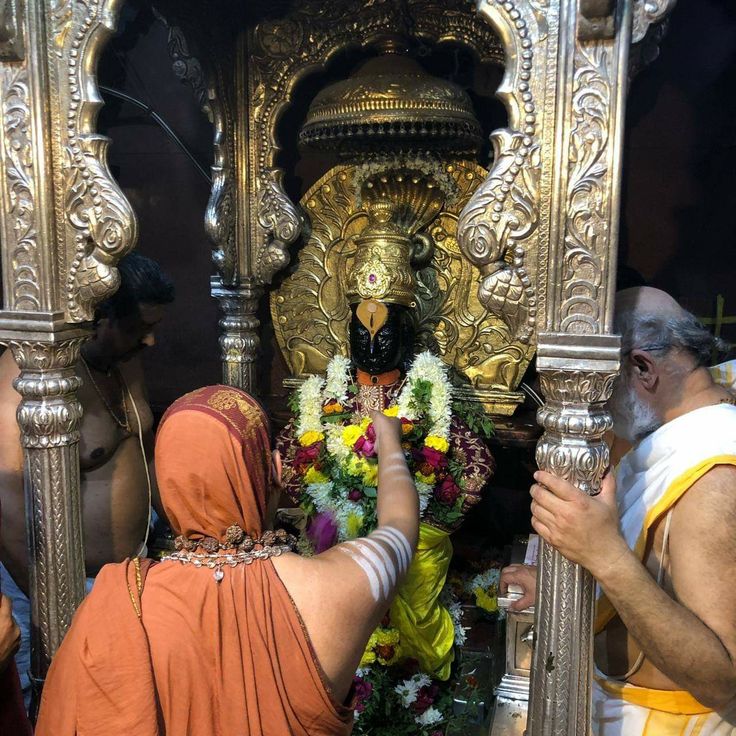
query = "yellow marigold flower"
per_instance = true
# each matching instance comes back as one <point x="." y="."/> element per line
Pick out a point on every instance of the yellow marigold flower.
<point x="314" y="476"/>
<point x="428" y="479"/>
<point x="354" y="525"/>
<point x="437" y="443"/>
<point x="369" y="657"/>
<point x="392" y="411"/>
<point x="351" y="434"/>
<point x="370" y="473"/>
<point x="407" y="427"/>
<point x="364" y="424"/>
<point x="355" y="465"/>
<point x="486" y="602"/>
<point x="309" y="438"/>
<point x="333" y="408"/>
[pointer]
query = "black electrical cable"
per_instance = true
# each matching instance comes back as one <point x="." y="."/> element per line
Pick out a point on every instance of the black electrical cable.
<point x="161" y="123"/>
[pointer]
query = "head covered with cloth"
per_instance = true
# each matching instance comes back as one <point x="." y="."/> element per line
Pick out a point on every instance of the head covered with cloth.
<point x="168" y="648"/>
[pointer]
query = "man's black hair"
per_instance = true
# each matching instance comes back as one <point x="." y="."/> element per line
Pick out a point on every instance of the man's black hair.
<point x="141" y="282"/>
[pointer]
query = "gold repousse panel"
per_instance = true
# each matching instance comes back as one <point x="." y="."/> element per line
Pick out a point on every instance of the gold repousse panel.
<point x="310" y="310"/>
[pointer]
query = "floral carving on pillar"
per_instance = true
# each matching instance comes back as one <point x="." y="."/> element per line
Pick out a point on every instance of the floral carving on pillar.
<point x="99" y="225"/>
<point x="19" y="207"/>
<point x="497" y="228"/>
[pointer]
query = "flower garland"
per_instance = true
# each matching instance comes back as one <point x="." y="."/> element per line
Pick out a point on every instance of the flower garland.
<point x="337" y="459"/>
<point x="338" y="466"/>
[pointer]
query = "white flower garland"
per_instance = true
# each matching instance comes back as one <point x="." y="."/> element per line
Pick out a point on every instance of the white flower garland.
<point x="338" y="378"/>
<point x="428" y="367"/>
<point x="310" y="406"/>
<point x="450" y="601"/>
<point x="315" y="392"/>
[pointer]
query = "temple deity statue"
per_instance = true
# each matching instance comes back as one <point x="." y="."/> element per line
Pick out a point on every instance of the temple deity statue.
<point x="380" y="313"/>
<point x="329" y="451"/>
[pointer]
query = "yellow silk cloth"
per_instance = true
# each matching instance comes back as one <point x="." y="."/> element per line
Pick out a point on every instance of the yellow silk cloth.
<point x="425" y="625"/>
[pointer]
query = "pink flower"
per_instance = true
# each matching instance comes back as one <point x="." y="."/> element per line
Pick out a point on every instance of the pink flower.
<point x="355" y="494"/>
<point x="365" y="447"/>
<point x="447" y="492"/>
<point x="322" y="532"/>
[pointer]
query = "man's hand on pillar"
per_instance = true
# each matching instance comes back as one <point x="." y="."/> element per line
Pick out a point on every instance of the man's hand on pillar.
<point x="583" y="528"/>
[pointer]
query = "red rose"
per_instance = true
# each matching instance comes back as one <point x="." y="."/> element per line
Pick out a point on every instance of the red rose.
<point x="306" y="456"/>
<point x="355" y="494"/>
<point x="447" y="492"/>
<point x="370" y="433"/>
<point x="434" y="458"/>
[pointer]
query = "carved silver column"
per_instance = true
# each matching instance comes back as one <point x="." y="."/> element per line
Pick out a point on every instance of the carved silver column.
<point x="49" y="415"/>
<point x="543" y="230"/>
<point x="64" y="223"/>
<point x="577" y="374"/>
<point x="239" y="338"/>
<point x="577" y="357"/>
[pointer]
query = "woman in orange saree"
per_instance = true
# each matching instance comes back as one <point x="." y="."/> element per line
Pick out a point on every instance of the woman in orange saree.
<point x="165" y="648"/>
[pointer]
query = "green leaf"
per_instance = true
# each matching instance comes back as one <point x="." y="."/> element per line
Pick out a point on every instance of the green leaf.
<point x="474" y="416"/>
<point x="293" y="403"/>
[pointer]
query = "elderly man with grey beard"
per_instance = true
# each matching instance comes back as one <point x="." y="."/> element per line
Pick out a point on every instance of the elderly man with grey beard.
<point x="660" y="538"/>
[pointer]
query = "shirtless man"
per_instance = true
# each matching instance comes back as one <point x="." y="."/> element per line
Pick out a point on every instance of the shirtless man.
<point x="659" y="539"/>
<point x="114" y="482"/>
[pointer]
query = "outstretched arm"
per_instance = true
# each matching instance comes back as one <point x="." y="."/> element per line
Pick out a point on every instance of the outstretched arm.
<point x="353" y="583"/>
<point x="691" y="638"/>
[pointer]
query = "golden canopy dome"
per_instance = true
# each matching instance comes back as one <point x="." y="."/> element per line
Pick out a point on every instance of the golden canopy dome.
<point x="391" y="101"/>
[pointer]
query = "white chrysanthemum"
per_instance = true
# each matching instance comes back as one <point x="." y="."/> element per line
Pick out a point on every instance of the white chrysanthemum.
<point x="422" y="680"/>
<point x="363" y="672"/>
<point x="335" y="446"/>
<point x="408" y="691"/>
<point x="424" y="490"/>
<point x="310" y="406"/>
<point x="321" y="495"/>
<point x="429" y="717"/>
<point x="338" y="377"/>
<point x="356" y="716"/>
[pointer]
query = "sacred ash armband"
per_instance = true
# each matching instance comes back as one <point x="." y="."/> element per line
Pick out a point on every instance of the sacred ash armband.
<point x="383" y="556"/>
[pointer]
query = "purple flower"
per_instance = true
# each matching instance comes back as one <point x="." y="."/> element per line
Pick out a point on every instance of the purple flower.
<point x="322" y="531"/>
<point x="355" y="494"/>
<point x="363" y="691"/>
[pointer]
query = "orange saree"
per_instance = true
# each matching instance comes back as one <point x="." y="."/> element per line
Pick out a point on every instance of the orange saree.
<point x="166" y="648"/>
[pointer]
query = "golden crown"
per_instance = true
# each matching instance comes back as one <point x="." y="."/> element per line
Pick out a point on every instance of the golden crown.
<point x="399" y="204"/>
<point x="382" y="268"/>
